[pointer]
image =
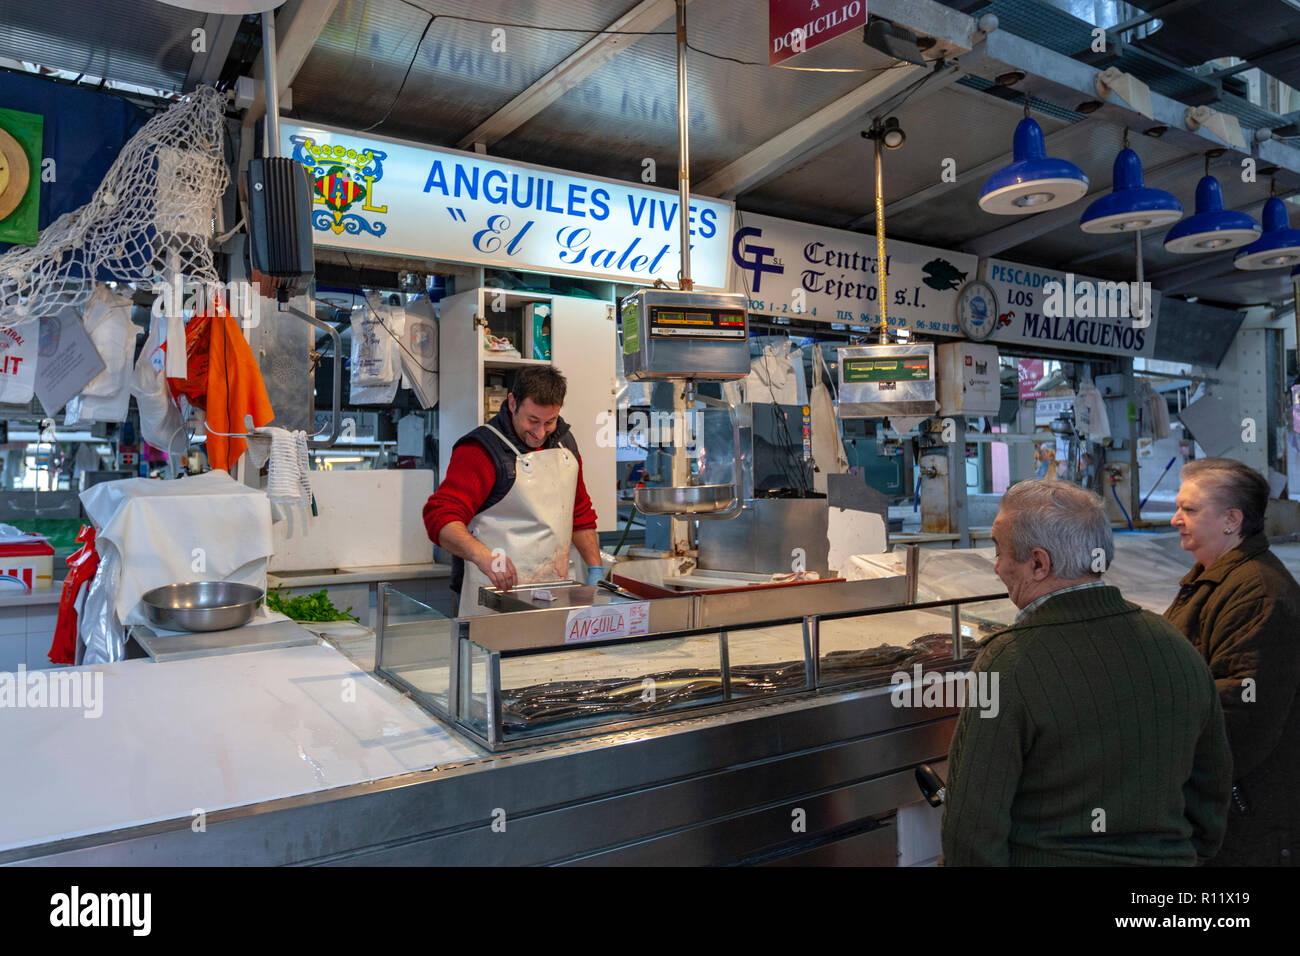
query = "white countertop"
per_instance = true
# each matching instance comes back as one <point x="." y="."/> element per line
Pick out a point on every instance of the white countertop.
<point x="13" y="597"/>
<point x="206" y="733"/>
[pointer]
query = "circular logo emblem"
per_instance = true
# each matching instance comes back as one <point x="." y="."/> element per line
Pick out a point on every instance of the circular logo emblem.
<point x="977" y="310"/>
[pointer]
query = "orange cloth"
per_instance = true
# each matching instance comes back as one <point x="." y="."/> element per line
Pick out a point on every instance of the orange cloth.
<point x="233" y="387"/>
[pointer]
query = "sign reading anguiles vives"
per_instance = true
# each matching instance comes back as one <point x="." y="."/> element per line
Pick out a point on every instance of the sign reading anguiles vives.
<point x="383" y="195"/>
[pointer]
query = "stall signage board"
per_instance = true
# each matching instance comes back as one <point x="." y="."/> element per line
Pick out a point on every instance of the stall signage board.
<point x="603" y="622"/>
<point x="370" y="193"/>
<point x="829" y="275"/>
<point x="1088" y="314"/>
<point x="795" y="26"/>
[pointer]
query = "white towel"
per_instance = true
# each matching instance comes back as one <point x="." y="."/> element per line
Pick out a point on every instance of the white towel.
<point x="287" y="482"/>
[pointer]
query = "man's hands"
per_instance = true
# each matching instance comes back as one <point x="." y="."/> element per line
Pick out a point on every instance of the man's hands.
<point x="500" y="570"/>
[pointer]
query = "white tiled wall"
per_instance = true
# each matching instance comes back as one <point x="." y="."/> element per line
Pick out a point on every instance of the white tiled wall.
<point x="26" y="633"/>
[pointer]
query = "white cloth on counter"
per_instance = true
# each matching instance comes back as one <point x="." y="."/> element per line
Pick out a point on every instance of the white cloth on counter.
<point x="206" y="527"/>
<point x="101" y="636"/>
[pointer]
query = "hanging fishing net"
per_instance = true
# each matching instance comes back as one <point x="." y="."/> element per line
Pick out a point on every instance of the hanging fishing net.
<point x="151" y="217"/>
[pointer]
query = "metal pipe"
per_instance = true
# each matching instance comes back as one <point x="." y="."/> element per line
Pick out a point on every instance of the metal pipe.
<point x="1138" y="310"/>
<point x="912" y="564"/>
<point x="272" y="145"/>
<point x="878" y="142"/>
<point x="336" y="425"/>
<point x="683" y="151"/>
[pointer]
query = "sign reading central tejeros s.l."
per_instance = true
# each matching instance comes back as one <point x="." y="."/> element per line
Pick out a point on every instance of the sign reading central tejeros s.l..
<point x="387" y="196"/>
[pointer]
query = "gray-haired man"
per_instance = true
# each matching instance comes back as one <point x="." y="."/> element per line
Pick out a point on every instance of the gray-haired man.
<point x="1108" y="745"/>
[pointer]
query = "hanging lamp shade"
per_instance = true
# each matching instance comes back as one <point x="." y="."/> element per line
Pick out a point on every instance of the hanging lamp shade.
<point x="1130" y="206"/>
<point x="1278" y="246"/>
<point x="1034" y="181"/>
<point x="1212" y="227"/>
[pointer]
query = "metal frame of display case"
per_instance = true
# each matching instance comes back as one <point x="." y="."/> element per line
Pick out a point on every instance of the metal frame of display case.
<point x="524" y="633"/>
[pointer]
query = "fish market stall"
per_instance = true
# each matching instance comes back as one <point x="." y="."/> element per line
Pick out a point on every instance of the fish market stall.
<point x="756" y="727"/>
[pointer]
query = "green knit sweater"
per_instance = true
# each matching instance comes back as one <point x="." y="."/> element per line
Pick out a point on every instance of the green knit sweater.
<point x="1107" y="748"/>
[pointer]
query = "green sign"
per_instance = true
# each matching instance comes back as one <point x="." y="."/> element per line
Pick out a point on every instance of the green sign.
<point x="911" y="368"/>
<point x="631" y="330"/>
<point x="20" y="176"/>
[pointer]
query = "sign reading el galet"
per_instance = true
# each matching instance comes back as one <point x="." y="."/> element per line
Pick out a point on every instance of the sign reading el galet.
<point x="372" y="193"/>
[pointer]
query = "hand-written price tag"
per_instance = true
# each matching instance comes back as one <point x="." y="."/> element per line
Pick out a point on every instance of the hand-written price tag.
<point x="601" y="623"/>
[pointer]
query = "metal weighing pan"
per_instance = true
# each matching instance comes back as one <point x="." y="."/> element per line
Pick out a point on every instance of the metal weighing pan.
<point x="688" y="500"/>
<point x="202" y="605"/>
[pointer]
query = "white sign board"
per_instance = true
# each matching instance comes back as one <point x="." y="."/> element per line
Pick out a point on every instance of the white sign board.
<point x="829" y="275"/>
<point x="383" y="195"/>
<point x="604" y="622"/>
<point x="1088" y="315"/>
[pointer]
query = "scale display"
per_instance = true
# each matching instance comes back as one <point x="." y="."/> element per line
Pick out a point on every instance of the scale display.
<point x="697" y="323"/>
<point x="912" y="368"/>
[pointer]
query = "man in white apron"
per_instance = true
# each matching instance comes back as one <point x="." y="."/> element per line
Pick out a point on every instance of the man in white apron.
<point x="513" y="504"/>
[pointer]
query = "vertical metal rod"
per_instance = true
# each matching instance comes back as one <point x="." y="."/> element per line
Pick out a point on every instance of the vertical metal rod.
<point x="495" y="733"/>
<point x="1137" y="311"/>
<point x="381" y="618"/>
<point x="272" y="145"/>
<point x="878" y="143"/>
<point x="724" y="661"/>
<point x="912" y="565"/>
<point x="958" y="652"/>
<point x="812" y="651"/>
<point x="683" y="150"/>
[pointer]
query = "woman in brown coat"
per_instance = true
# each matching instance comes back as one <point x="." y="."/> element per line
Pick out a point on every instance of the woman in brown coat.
<point x="1241" y="608"/>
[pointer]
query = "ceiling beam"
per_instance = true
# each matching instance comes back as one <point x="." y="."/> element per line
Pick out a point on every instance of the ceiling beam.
<point x="991" y="243"/>
<point x="1058" y="142"/>
<point x="219" y="36"/>
<point x="572" y="70"/>
<point x="297" y="27"/>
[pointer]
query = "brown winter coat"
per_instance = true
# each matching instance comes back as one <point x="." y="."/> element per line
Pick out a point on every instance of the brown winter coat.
<point x="1243" y="615"/>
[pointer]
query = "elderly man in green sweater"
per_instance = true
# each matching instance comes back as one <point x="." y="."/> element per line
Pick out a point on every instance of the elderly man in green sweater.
<point x="1107" y="746"/>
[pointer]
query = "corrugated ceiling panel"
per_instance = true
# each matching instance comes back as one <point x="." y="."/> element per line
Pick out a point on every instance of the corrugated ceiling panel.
<point x="633" y="99"/>
<point x="355" y="69"/>
<point x="134" y="41"/>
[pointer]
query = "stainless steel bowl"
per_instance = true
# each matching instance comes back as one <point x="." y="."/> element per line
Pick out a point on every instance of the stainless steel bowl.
<point x="201" y="605"/>
<point x="686" y="500"/>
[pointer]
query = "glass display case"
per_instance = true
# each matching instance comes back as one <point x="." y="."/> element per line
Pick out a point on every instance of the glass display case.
<point x="579" y="660"/>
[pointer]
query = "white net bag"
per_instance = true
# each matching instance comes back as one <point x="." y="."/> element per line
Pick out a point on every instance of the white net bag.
<point x="152" y="215"/>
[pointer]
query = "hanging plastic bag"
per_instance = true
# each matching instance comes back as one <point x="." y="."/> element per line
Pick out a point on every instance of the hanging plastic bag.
<point x="107" y="397"/>
<point x="1090" y="416"/>
<point x="101" y="637"/>
<point x="19" y="342"/>
<point x="160" y="419"/>
<point x="419" y="352"/>
<point x="375" y="333"/>
<point x="82" y="565"/>
<point x="829" y="457"/>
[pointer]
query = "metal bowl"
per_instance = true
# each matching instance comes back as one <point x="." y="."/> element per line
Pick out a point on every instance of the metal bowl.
<point x="201" y="605"/>
<point x="686" y="500"/>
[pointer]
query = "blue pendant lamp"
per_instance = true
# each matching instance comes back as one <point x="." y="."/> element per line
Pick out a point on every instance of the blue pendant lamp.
<point x="1033" y="182"/>
<point x="1279" y="246"/>
<point x="1130" y="206"/>
<point x="1212" y="227"/>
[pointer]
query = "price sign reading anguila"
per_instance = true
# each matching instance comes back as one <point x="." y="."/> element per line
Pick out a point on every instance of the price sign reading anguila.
<point x="606" y="621"/>
<point x="372" y="193"/>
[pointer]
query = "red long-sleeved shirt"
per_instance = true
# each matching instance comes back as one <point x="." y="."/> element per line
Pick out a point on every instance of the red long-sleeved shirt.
<point x="467" y="484"/>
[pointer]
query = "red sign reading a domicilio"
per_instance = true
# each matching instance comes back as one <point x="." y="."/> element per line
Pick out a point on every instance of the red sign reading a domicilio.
<point x="794" y="26"/>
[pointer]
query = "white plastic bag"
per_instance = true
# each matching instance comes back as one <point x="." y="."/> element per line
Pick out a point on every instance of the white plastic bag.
<point x="419" y="354"/>
<point x="375" y="334"/>
<point x="160" y="419"/>
<point x="19" y="342"/>
<point x="106" y="398"/>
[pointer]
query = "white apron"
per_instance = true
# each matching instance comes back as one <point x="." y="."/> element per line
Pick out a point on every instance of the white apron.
<point x="532" y="524"/>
